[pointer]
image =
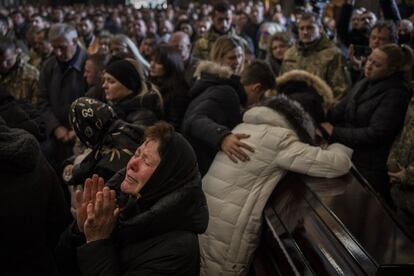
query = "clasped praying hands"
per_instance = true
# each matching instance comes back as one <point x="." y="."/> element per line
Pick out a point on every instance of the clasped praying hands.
<point x="97" y="211"/>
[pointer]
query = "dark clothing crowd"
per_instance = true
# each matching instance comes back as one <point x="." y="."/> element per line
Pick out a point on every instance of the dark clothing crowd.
<point x="146" y="139"/>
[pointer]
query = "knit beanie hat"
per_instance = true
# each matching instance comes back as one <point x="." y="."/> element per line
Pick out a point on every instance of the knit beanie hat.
<point x="126" y="73"/>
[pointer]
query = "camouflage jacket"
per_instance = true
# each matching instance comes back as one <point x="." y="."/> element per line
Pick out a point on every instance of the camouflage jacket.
<point x="402" y="151"/>
<point x="322" y="59"/>
<point x="35" y="59"/>
<point x="204" y="44"/>
<point x="22" y="81"/>
<point x="402" y="154"/>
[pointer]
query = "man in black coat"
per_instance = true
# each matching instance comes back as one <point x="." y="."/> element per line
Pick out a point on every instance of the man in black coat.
<point x="216" y="109"/>
<point x="32" y="206"/>
<point x="61" y="82"/>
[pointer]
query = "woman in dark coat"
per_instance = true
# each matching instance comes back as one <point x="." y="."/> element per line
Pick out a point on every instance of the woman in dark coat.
<point x="162" y="209"/>
<point x="372" y="114"/>
<point x="213" y="112"/>
<point x="218" y="98"/>
<point x="33" y="210"/>
<point x="131" y="98"/>
<point x="167" y="73"/>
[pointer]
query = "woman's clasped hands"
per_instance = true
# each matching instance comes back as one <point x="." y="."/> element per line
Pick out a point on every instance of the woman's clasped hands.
<point x="97" y="211"/>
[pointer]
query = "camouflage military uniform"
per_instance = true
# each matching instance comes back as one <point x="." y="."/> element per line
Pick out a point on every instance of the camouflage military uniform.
<point x="22" y="81"/>
<point x="402" y="154"/>
<point x="202" y="46"/>
<point x="35" y="59"/>
<point x="322" y="59"/>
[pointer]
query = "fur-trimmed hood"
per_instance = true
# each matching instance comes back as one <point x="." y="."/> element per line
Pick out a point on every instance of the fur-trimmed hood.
<point x="283" y="112"/>
<point x="212" y="68"/>
<point x="301" y="76"/>
<point x="210" y="74"/>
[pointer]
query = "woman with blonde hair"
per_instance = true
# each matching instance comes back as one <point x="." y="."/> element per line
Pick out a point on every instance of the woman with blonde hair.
<point x="372" y="114"/>
<point x="228" y="51"/>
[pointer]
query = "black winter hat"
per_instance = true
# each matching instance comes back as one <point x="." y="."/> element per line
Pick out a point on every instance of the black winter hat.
<point x="126" y="73"/>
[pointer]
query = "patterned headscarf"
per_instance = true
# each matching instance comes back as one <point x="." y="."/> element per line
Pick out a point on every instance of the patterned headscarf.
<point x="90" y="119"/>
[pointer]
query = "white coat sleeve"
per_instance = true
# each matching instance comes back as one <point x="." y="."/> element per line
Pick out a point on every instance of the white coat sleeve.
<point x="299" y="157"/>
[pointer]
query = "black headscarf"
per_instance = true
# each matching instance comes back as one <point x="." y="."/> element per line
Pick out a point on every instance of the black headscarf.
<point x="177" y="167"/>
<point x="90" y="119"/>
<point x="113" y="141"/>
<point x="172" y="198"/>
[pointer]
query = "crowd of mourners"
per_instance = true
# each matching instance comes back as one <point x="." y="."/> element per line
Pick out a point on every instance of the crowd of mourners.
<point x="147" y="141"/>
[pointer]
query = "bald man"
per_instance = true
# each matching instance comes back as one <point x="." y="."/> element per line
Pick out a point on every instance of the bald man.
<point x="405" y="32"/>
<point x="181" y="41"/>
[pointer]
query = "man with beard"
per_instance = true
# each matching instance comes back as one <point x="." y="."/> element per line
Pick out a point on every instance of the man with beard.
<point x="88" y="38"/>
<point x="361" y="23"/>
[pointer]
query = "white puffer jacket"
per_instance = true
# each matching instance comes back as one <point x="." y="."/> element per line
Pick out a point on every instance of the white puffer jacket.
<point x="237" y="193"/>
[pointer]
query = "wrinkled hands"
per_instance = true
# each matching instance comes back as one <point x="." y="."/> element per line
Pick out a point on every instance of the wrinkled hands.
<point x="233" y="147"/>
<point x="96" y="210"/>
<point x="101" y="216"/>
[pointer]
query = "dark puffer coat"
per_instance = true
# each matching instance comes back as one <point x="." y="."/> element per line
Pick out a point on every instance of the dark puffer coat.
<point x="32" y="206"/>
<point x="367" y="121"/>
<point x="141" y="110"/>
<point x="213" y="112"/>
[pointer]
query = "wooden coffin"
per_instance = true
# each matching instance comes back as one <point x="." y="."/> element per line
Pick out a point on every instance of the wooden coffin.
<point x="316" y="226"/>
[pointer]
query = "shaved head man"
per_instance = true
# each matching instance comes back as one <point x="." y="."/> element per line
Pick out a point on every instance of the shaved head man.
<point x="181" y="41"/>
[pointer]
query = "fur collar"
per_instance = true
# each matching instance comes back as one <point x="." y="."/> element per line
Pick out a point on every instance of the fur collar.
<point x="282" y="112"/>
<point x="212" y="68"/>
<point x="314" y="81"/>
